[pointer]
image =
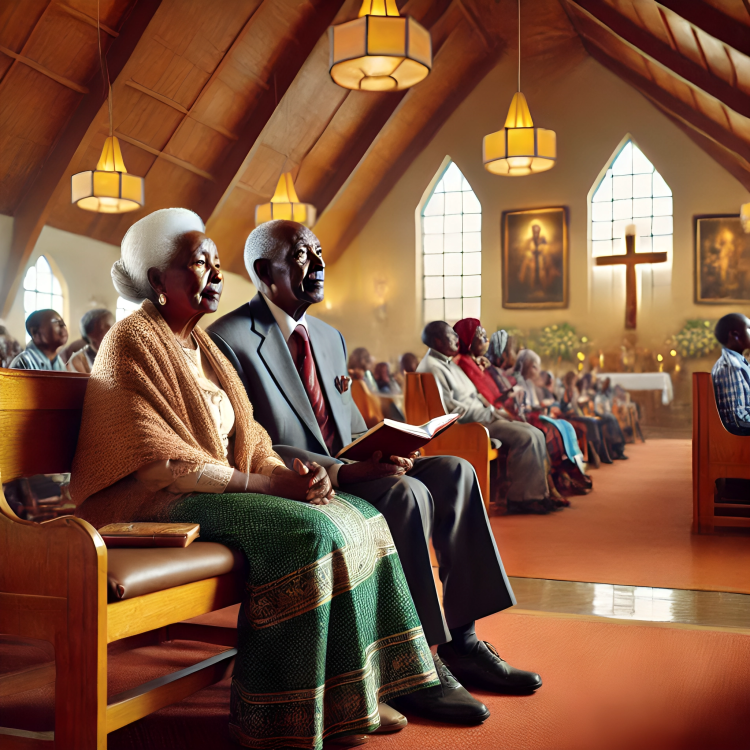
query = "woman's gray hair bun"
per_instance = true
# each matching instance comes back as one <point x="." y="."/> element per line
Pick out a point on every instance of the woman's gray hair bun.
<point x="150" y="243"/>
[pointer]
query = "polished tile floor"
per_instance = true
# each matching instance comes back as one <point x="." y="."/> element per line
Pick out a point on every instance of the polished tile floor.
<point x="705" y="608"/>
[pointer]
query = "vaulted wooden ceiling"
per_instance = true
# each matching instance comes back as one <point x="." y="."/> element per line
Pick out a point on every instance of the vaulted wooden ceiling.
<point x="212" y="101"/>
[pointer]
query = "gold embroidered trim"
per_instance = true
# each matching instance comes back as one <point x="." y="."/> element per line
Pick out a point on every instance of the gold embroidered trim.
<point x="367" y="540"/>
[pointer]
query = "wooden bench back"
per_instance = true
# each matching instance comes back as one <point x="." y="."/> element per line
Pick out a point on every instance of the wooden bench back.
<point x="422" y="400"/>
<point x="367" y="402"/>
<point x="40" y="415"/>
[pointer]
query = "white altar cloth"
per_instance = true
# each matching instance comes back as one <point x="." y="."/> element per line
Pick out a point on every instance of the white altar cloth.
<point x="643" y="381"/>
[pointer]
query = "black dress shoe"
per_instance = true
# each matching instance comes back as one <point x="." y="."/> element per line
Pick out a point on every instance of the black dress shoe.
<point x="534" y="507"/>
<point x="482" y="667"/>
<point x="448" y="702"/>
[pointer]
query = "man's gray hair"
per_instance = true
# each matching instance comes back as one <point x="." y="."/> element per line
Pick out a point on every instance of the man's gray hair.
<point x="89" y="321"/>
<point x="151" y="242"/>
<point x="263" y="243"/>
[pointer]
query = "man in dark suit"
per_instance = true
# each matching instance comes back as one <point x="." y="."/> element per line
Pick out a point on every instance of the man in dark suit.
<point x="294" y="368"/>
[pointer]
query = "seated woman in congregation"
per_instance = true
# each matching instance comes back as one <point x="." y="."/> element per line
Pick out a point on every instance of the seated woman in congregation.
<point x="603" y="408"/>
<point x="562" y="441"/>
<point x="94" y="327"/>
<point x="168" y="434"/>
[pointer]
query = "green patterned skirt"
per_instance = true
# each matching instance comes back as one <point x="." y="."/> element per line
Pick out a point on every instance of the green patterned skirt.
<point x="327" y="627"/>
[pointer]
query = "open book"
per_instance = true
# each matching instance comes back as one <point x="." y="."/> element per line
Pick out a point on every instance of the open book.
<point x="395" y="438"/>
<point x="146" y="534"/>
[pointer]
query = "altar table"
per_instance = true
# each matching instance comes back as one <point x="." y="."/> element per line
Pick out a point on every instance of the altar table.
<point x="643" y="381"/>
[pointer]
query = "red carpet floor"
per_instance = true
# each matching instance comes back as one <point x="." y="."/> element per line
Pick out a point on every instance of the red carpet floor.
<point x="633" y="529"/>
<point x="608" y="685"/>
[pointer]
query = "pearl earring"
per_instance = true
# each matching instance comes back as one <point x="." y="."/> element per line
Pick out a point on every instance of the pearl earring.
<point x="162" y="299"/>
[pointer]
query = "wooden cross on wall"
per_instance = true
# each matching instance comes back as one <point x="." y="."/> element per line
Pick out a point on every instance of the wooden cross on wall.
<point x="630" y="260"/>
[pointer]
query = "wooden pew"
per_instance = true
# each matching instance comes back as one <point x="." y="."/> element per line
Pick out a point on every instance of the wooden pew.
<point x="717" y="455"/>
<point x="469" y="441"/>
<point x="53" y="584"/>
<point x="367" y="403"/>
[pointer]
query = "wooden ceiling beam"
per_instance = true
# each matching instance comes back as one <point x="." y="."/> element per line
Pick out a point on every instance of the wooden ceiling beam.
<point x="44" y="71"/>
<point x="77" y="14"/>
<point x="287" y="68"/>
<point x="662" y="54"/>
<point x="36" y="204"/>
<point x="163" y="155"/>
<point x="711" y="20"/>
<point x="704" y="124"/>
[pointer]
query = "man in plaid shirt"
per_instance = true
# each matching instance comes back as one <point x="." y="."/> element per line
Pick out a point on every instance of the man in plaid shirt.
<point x="731" y="373"/>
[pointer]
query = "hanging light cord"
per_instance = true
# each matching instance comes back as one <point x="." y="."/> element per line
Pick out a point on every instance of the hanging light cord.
<point x="105" y="69"/>
<point x="519" y="45"/>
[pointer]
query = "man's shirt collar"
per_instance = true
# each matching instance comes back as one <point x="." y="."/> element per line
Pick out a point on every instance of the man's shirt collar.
<point x="41" y="358"/>
<point x="733" y="354"/>
<point x="439" y="356"/>
<point x="286" y="322"/>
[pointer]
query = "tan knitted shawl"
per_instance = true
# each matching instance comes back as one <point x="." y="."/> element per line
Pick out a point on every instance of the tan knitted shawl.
<point x="143" y="404"/>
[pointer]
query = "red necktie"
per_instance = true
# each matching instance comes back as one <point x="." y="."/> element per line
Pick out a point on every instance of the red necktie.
<point x="305" y="365"/>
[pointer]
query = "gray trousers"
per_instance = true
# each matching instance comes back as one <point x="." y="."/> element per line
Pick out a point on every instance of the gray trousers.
<point x="527" y="459"/>
<point x="439" y="499"/>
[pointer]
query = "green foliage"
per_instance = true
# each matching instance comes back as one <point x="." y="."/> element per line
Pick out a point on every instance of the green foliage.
<point x="696" y="339"/>
<point x="560" y="341"/>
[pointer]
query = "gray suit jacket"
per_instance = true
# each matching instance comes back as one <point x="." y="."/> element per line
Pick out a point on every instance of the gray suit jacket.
<point x="252" y="341"/>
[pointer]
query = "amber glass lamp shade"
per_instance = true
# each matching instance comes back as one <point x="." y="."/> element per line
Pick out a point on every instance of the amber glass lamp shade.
<point x="285" y="205"/>
<point x="108" y="189"/>
<point x="380" y="50"/>
<point x="519" y="148"/>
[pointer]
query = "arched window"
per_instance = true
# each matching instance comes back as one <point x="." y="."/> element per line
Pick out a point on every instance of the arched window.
<point x="124" y="308"/>
<point x="631" y="192"/>
<point x="41" y="289"/>
<point x="452" y="250"/>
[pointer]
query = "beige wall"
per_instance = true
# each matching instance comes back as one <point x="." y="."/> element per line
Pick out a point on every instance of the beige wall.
<point x="83" y="266"/>
<point x="591" y="110"/>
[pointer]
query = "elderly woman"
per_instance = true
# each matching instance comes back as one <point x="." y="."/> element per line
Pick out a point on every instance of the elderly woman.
<point x="327" y="627"/>
<point x="94" y="327"/>
<point x="562" y="442"/>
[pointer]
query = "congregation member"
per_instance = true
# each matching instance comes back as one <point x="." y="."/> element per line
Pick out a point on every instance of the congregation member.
<point x="528" y="491"/>
<point x="294" y="367"/>
<point x="471" y="358"/>
<point x="9" y="347"/>
<point x="408" y="362"/>
<point x="49" y="334"/>
<point x="94" y="327"/>
<point x="168" y="434"/>
<point x="386" y="383"/>
<point x="603" y="408"/>
<point x="731" y="373"/>
<point x="598" y="448"/>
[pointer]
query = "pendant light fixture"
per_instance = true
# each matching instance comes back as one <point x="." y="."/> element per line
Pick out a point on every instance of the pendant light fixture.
<point x="108" y="189"/>
<point x="519" y="148"/>
<point x="745" y="217"/>
<point x="286" y="205"/>
<point x="380" y="50"/>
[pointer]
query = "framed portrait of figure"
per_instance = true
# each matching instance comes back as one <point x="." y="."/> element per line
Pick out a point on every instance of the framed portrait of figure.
<point x="535" y="258"/>
<point x="722" y="260"/>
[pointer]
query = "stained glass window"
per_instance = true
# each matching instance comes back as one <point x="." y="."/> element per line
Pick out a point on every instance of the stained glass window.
<point x="452" y="250"/>
<point x="631" y="192"/>
<point x="41" y="290"/>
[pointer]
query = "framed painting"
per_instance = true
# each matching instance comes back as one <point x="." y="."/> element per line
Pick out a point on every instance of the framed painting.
<point x="535" y="258"/>
<point x="722" y="260"/>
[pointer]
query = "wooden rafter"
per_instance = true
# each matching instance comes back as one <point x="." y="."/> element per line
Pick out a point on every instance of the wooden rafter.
<point x="692" y="117"/>
<point x="34" y="208"/>
<point x="163" y="155"/>
<point x="43" y="70"/>
<point x="712" y="21"/>
<point x="662" y="54"/>
<point x="87" y="19"/>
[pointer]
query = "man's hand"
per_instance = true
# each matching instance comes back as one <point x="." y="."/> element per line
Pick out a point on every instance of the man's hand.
<point x="483" y="363"/>
<point x="373" y="468"/>
<point x="307" y="483"/>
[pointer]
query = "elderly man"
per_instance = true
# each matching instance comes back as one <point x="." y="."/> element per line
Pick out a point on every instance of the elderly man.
<point x="527" y="457"/>
<point x="294" y="368"/>
<point x="95" y="325"/>
<point x="731" y="373"/>
<point x="48" y="334"/>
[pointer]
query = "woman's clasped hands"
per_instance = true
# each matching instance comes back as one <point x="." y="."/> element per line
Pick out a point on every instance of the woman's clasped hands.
<point x="307" y="482"/>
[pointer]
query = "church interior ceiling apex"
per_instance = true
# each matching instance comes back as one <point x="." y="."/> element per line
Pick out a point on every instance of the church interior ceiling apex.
<point x="213" y="101"/>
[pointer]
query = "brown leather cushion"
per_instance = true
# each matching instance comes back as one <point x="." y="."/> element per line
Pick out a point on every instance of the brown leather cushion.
<point x="135" y="572"/>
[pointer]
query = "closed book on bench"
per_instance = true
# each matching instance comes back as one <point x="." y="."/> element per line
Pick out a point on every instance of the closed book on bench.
<point x="149" y="534"/>
<point x="395" y="438"/>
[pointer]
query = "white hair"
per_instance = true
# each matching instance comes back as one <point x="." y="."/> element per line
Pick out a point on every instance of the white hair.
<point x="151" y="243"/>
<point x="262" y="243"/>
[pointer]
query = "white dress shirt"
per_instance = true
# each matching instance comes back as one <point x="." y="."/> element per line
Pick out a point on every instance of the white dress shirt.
<point x="287" y="324"/>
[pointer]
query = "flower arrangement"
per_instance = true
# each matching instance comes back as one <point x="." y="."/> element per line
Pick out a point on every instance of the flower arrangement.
<point x="560" y="342"/>
<point x="696" y="339"/>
